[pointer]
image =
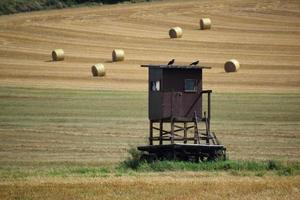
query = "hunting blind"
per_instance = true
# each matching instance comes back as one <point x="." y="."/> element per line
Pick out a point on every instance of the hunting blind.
<point x="179" y="125"/>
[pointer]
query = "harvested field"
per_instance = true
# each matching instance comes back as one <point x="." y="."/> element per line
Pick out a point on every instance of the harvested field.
<point x="262" y="35"/>
<point x="56" y="114"/>
<point x="156" y="186"/>
<point x="62" y="125"/>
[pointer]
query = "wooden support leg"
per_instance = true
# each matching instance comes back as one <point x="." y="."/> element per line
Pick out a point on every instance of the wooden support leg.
<point x="207" y="129"/>
<point x="208" y="110"/>
<point x="185" y="133"/>
<point x="151" y="134"/>
<point x="172" y="131"/>
<point x="160" y="132"/>
<point x="195" y="133"/>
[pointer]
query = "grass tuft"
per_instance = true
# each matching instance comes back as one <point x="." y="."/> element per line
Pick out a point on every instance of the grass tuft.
<point x="133" y="161"/>
<point x="288" y="171"/>
<point x="273" y="165"/>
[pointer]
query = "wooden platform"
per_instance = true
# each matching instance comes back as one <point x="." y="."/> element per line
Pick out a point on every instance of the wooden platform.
<point x="192" y="152"/>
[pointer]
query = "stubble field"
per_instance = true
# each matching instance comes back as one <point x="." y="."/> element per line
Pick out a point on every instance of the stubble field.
<point x="55" y="114"/>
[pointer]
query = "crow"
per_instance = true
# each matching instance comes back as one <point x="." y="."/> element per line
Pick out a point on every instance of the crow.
<point x="195" y="63"/>
<point x="171" y="62"/>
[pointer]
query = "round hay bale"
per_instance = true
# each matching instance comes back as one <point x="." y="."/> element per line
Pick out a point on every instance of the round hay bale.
<point x="98" y="70"/>
<point x="58" y="55"/>
<point x="118" y="55"/>
<point x="232" y="66"/>
<point x="175" y="32"/>
<point x="205" y="23"/>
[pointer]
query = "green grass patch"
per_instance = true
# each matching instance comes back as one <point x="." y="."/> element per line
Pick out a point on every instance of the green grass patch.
<point x="232" y="167"/>
<point x="236" y="165"/>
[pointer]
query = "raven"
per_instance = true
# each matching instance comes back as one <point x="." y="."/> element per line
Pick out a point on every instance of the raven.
<point x="195" y="63"/>
<point x="171" y="62"/>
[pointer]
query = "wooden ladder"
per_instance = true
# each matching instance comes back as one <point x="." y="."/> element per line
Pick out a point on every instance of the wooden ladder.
<point x="207" y="136"/>
<point x="210" y="135"/>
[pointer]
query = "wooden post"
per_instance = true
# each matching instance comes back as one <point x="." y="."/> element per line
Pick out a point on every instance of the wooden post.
<point x="172" y="131"/>
<point x="151" y="133"/>
<point x="195" y="132"/>
<point x="207" y="128"/>
<point x="208" y="110"/>
<point x="185" y="132"/>
<point x="160" y="132"/>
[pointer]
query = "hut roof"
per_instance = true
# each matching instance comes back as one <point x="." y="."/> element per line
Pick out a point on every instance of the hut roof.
<point x="177" y="66"/>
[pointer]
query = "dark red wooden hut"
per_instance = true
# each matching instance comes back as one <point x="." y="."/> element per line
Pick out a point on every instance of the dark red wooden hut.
<point x="176" y="115"/>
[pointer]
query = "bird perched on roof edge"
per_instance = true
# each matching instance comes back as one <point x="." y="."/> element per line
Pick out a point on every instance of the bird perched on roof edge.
<point x="171" y="62"/>
<point x="195" y="63"/>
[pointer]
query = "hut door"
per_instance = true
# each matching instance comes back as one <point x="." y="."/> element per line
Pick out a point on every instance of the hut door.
<point x="176" y="104"/>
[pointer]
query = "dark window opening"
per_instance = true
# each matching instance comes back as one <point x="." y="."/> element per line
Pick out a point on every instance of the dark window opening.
<point x="190" y="85"/>
<point x="155" y="86"/>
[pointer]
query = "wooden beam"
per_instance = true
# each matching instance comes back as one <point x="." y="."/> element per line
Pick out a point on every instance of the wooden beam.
<point x="185" y="133"/>
<point x="175" y="138"/>
<point x="177" y="126"/>
<point x="177" y="130"/>
<point x="151" y="133"/>
<point x="166" y="133"/>
<point x="208" y="110"/>
<point x="206" y="91"/>
<point x="158" y="129"/>
<point x="172" y="131"/>
<point x="160" y="132"/>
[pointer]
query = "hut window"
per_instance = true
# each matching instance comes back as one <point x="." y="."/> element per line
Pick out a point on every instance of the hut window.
<point x="155" y="85"/>
<point x="190" y="85"/>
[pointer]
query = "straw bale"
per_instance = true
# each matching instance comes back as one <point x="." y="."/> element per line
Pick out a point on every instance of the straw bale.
<point x="118" y="55"/>
<point x="175" y="32"/>
<point x="98" y="70"/>
<point x="58" y="55"/>
<point x="232" y="65"/>
<point x="205" y="23"/>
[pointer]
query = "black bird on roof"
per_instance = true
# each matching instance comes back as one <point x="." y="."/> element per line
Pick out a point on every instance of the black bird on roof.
<point x="171" y="62"/>
<point x="195" y="63"/>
